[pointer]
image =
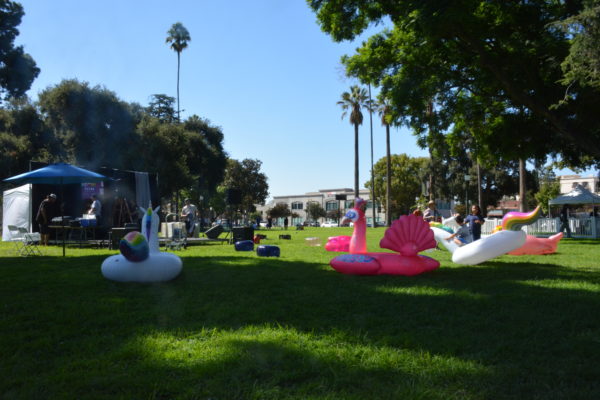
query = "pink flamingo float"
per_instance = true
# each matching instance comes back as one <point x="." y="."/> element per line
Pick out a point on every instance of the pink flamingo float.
<point x="357" y="243"/>
<point x="407" y="236"/>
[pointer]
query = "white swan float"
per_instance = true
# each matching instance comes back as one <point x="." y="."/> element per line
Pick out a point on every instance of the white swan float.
<point x="140" y="259"/>
<point x="502" y="242"/>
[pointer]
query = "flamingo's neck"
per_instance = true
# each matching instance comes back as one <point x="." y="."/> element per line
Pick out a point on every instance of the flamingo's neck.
<point x="358" y="242"/>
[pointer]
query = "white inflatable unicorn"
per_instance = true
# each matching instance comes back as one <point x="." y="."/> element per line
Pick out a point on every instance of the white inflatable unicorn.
<point x="140" y="259"/>
<point x="508" y="239"/>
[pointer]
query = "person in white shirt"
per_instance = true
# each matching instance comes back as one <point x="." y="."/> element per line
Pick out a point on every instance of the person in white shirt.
<point x="188" y="214"/>
<point x="96" y="207"/>
<point x="431" y="214"/>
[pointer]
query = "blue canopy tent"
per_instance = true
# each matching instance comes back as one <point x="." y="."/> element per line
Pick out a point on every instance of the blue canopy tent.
<point x="58" y="174"/>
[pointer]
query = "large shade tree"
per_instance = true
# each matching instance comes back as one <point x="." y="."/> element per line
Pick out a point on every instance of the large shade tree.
<point x="95" y="127"/>
<point x="17" y="68"/>
<point x="406" y="182"/>
<point x="352" y="103"/>
<point x="161" y="107"/>
<point x="178" y="36"/>
<point x="23" y="137"/>
<point x="506" y="54"/>
<point x="246" y="177"/>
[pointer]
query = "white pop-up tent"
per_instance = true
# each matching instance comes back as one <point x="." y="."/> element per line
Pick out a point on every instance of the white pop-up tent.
<point x="16" y="209"/>
<point x="579" y="195"/>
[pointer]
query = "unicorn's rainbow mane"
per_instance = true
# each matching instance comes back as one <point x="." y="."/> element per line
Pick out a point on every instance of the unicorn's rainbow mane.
<point x="514" y="221"/>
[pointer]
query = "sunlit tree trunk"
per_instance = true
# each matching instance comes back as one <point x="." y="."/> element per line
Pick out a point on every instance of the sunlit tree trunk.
<point x="178" y="61"/>
<point x="522" y="188"/>
<point x="479" y="189"/>
<point x="388" y="183"/>
<point x="355" y="160"/>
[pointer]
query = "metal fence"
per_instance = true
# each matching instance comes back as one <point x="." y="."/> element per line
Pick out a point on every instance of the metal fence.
<point x="581" y="227"/>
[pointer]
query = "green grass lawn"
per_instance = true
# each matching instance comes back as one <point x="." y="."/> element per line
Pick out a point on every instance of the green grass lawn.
<point x="236" y="326"/>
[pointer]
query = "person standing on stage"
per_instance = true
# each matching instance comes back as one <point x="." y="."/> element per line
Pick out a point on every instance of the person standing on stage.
<point x="44" y="216"/>
<point x="188" y="213"/>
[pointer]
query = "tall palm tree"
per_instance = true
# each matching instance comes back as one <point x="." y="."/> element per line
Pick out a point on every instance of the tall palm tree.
<point x="385" y="110"/>
<point x="178" y="36"/>
<point x="354" y="101"/>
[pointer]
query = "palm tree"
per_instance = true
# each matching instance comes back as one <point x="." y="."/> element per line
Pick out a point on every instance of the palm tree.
<point x="178" y="37"/>
<point x="385" y="111"/>
<point x="354" y="100"/>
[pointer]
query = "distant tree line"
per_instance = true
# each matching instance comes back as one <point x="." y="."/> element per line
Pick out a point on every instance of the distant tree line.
<point x="92" y="127"/>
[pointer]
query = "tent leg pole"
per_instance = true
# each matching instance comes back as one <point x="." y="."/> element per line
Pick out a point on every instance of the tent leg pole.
<point x="62" y="215"/>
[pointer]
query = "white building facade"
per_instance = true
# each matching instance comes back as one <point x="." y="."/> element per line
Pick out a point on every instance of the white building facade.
<point x="568" y="183"/>
<point x="327" y="199"/>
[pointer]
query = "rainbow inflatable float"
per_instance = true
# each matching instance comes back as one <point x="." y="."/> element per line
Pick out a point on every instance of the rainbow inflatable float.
<point x="510" y="238"/>
<point x="140" y="259"/>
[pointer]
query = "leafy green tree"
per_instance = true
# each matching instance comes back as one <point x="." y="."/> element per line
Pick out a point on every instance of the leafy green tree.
<point x="549" y="189"/>
<point x="334" y="215"/>
<point x="354" y="101"/>
<point x="17" y="68"/>
<point x="13" y="154"/>
<point x="582" y="65"/>
<point x="163" y="153"/>
<point x="441" y="51"/>
<point x="315" y="211"/>
<point x="179" y="37"/>
<point x="280" y="210"/>
<point x="246" y="177"/>
<point x="95" y="127"/>
<point x="206" y="157"/>
<point x="25" y="137"/>
<point x="161" y="107"/>
<point x="405" y="182"/>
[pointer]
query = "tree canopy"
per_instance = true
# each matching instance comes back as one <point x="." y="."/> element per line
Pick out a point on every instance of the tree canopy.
<point x="92" y="127"/>
<point x="315" y="211"/>
<point x="246" y="177"/>
<point x="17" y="68"/>
<point x="495" y="63"/>
<point x="406" y="182"/>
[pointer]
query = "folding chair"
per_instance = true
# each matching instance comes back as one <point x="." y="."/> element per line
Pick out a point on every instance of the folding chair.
<point x="179" y="237"/>
<point x="16" y="237"/>
<point x="30" y="243"/>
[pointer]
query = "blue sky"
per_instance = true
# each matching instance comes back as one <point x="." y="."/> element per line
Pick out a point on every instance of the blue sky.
<point x="261" y="70"/>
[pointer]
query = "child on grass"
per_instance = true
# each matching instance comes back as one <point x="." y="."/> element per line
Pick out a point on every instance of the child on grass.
<point x="462" y="235"/>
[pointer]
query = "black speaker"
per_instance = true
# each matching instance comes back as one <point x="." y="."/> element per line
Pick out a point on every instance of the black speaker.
<point x="340" y="197"/>
<point x="242" y="233"/>
<point x="214" y="232"/>
<point x="233" y="196"/>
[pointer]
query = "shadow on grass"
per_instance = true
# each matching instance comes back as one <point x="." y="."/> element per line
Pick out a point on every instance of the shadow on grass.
<point x="459" y="332"/>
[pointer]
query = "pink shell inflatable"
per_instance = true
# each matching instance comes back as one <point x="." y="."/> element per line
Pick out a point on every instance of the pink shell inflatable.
<point x="538" y="246"/>
<point x="407" y="235"/>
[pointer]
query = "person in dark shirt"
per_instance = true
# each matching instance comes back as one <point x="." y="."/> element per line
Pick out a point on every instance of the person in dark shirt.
<point x="44" y="216"/>
<point x="564" y="220"/>
<point x="475" y="220"/>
